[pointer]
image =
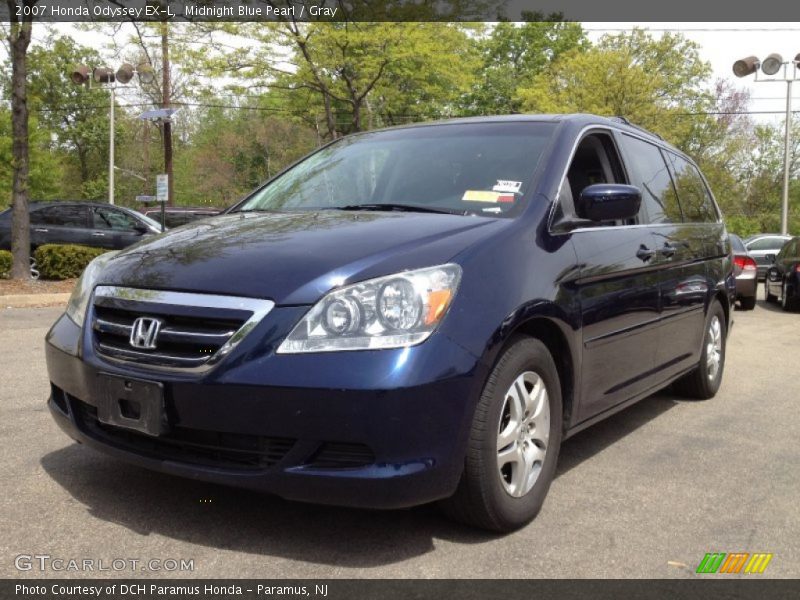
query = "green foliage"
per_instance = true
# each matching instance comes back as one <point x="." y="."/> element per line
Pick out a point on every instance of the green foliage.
<point x="351" y="76"/>
<point x="66" y="261"/>
<point x="45" y="164"/>
<point x="654" y="83"/>
<point x="75" y="116"/>
<point x="232" y="152"/>
<point x="5" y="264"/>
<point x="743" y="226"/>
<point x="513" y="54"/>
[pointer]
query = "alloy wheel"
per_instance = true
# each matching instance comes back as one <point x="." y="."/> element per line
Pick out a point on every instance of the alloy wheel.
<point x="523" y="433"/>
<point x="713" y="348"/>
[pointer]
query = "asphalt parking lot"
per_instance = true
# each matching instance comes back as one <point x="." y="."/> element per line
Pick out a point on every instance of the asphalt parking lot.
<point x="645" y="494"/>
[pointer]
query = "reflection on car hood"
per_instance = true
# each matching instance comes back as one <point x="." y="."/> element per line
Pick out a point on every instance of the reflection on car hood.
<point x="293" y="258"/>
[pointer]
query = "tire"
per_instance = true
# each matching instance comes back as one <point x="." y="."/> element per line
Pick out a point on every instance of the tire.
<point x="748" y="303"/>
<point x="767" y="296"/>
<point x="504" y="498"/>
<point x="701" y="383"/>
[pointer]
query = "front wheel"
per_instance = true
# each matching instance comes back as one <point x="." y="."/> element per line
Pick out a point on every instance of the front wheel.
<point x="514" y="442"/>
<point x="767" y="296"/>
<point x="704" y="381"/>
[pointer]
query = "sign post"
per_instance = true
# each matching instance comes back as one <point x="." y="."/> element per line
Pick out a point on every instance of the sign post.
<point x="162" y="194"/>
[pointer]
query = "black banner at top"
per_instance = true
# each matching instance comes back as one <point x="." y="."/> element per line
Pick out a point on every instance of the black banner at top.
<point x="391" y="10"/>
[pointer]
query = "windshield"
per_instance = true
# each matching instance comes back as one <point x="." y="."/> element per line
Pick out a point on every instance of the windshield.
<point x="467" y="168"/>
<point x="155" y="225"/>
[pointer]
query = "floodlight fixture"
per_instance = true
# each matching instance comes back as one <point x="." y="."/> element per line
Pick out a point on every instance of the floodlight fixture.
<point x="772" y="64"/>
<point x="746" y="66"/>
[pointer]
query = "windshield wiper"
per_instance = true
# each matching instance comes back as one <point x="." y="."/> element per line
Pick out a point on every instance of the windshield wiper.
<point x="395" y="207"/>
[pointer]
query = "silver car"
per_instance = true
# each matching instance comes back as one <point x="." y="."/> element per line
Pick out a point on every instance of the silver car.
<point x="759" y="246"/>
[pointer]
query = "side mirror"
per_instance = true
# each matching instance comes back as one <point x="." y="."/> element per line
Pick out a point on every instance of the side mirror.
<point x="770" y="258"/>
<point x="608" y="202"/>
<point x="141" y="229"/>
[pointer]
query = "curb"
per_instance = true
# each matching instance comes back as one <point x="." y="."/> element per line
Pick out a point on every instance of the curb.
<point x="33" y="300"/>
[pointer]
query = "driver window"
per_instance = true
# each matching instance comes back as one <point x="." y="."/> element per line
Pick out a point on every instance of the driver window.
<point x="105" y="218"/>
<point x="595" y="161"/>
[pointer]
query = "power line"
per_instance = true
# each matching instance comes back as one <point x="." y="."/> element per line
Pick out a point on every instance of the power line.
<point x="63" y="109"/>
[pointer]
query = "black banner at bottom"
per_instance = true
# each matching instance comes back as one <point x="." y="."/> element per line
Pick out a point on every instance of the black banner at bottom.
<point x="702" y="587"/>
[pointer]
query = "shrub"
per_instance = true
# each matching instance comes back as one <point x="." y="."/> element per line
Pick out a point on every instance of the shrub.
<point x="64" y="261"/>
<point x="5" y="264"/>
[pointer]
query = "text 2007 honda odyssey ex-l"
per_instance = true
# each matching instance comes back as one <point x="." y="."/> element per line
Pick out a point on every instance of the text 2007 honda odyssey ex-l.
<point x="405" y="316"/>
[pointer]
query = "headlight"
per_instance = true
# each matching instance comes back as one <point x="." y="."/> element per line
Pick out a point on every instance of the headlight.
<point x="78" y="302"/>
<point x="388" y="312"/>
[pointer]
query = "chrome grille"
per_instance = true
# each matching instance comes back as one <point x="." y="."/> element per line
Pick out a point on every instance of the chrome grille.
<point x="195" y="330"/>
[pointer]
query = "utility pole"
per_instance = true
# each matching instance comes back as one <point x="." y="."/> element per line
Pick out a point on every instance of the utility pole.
<point x="165" y="103"/>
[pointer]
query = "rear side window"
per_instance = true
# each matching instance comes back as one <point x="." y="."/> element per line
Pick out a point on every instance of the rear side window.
<point x="64" y="216"/>
<point x="693" y="194"/>
<point x="768" y="243"/>
<point x="650" y="174"/>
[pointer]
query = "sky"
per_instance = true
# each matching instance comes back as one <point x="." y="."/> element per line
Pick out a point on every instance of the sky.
<point x="720" y="44"/>
<point x="723" y="43"/>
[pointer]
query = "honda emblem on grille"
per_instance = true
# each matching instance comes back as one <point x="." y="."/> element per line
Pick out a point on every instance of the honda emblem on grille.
<point x="144" y="333"/>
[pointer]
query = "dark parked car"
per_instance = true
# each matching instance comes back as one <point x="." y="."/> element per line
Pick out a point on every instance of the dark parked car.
<point x="85" y="223"/>
<point x="407" y="315"/>
<point x="764" y="244"/>
<point x="175" y="216"/>
<point x="783" y="276"/>
<point x="745" y="269"/>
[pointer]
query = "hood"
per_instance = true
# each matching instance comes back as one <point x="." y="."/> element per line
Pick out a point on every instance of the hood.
<point x="293" y="258"/>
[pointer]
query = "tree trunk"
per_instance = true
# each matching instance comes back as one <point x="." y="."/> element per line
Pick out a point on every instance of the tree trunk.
<point x="330" y="121"/>
<point x="20" y="219"/>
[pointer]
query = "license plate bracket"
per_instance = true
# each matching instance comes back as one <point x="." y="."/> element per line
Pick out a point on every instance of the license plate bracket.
<point x="135" y="404"/>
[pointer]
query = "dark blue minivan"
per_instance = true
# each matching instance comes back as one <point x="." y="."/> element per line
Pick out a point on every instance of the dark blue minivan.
<point x="405" y="316"/>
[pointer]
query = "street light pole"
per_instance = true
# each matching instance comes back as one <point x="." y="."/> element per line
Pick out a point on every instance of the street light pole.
<point x="81" y="74"/>
<point x="787" y="142"/>
<point x="111" y="147"/>
<point x="770" y="66"/>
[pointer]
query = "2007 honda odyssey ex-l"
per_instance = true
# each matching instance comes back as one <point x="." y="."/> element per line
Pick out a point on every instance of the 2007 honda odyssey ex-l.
<point x="404" y="316"/>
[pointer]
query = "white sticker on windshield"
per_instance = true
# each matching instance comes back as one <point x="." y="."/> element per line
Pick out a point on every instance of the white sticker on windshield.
<point x="504" y="185"/>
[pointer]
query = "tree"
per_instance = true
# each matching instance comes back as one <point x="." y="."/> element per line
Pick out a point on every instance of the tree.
<point x="46" y="169"/>
<point x="655" y="83"/>
<point x="513" y="54"/>
<point x="349" y="76"/>
<point x="236" y="150"/>
<point x="19" y="39"/>
<point x="74" y="116"/>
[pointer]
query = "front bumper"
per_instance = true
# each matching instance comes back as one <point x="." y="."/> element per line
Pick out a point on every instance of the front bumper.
<point x="376" y="429"/>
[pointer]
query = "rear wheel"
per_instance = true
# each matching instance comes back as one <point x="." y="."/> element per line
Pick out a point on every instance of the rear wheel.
<point x="787" y="303"/>
<point x="514" y="442"/>
<point x="748" y="303"/>
<point x="704" y="381"/>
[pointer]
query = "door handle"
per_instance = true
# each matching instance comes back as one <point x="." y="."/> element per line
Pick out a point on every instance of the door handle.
<point x="40" y="230"/>
<point x="668" y="250"/>
<point x="644" y="253"/>
<point x="99" y="234"/>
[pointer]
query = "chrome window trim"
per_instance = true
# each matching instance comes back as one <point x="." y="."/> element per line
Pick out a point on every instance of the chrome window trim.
<point x="612" y="130"/>
<point x="259" y="308"/>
